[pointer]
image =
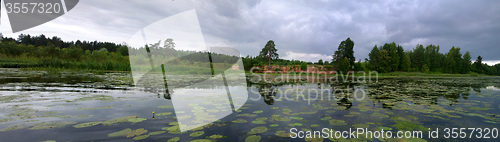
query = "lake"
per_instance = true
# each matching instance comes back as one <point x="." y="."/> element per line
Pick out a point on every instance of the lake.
<point x="39" y="106"/>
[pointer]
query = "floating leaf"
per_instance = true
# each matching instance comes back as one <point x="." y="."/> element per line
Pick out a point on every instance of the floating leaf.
<point x="118" y="120"/>
<point x="175" y="139"/>
<point x="196" y="134"/>
<point x="216" y="136"/>
<point x="141" y="137"/>
<point x="337" y="122"/>
<point x="49" y="141"/>
<point x="274" y="125"/>
<point x="50" y="125"/>
<point x="314" y="125"/>
<point x="256" y="130"/>
<point x="213" y="110"/>
<point x="135" y="120"/>
<point x="166" y="106"/>
<point x="326" y="118"/>
<point x="258" y="122"/>
<point x="163" y="113"/>
<point x="360" y="125"/>
<point x="253" y="138"/>
<point x="296" y="118"/>
<point x="240" y="121"/>
<point x="282" y="134"/>
<point x="261" y="119"/>
<point x="136" y="132"/>
<point x="202" y="140"/>
<point x="157" y="132"/>
<point x="88" y="124"/>
<point x="259" y="111"/>
<point x="276" y="115"/>
<point x="384" y="128"/>
<point x="120" y="133"/>
<point x="298" y="124"/>
<point x="274" y="107"/>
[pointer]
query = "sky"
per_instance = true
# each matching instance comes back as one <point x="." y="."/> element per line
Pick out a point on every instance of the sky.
<point x="302" y="30"/>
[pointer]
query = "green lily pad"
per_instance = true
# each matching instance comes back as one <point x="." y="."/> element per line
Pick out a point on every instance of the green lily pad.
<point x="314" y="125"/>
<point x="253" y="138"/>
<point x="123" y="132"/>
<point x="360" y="125"/>
<point x="259" y="111"/>
<point x="165" y="128"/>
<point x="274" y="125"/>
<point x="240" y="121"/>
<point x="384" y="128"/>
<point x="274" y="107"/>
<point x="82" y="116"/>
<point x="282" y="134"/>
<point x="163" y="113"/>
<point x="88" y="124"/>
<point x="297" y="124"/>
<point x="175" y="139"/>
<point x="213" y="110"/>
<point x="136" y="132"/>
<point x="50" y="125"/>
<point x="258" y="122"/>
<point x="202" y="140"/>
<point x="216" y="136"/>
<point x="135" y="120"/>
<point x="165" y="106"/>
<point x="141" y="137"/>
<point x="256" y="130"/>
<point x="284" y="119"/>
<point x="337" y="122"/>
<point x="196" y="134"/>
<point x="297" y="118"/>
<point x="326" y="118"/>
<point x="157" y="132"/>
<point x="276" y="115"/>
<point x="118" y="120"/>
<point x="261" y="119"/>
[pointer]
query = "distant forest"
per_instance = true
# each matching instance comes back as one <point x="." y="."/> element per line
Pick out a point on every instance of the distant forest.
<point x="40" y="51"/>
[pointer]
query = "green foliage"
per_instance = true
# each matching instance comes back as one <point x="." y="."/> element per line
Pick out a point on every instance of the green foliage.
<point x="373" y="55"/>
<point x="466" y="67"/>
<point x="425" y="69"/>
<point x="394" y="56"/>
<point x="478" y="65"/>
<point x="385" y="62"/>
<point x="269" y="51"/>
<point x="345" y="50"/>
<point x="405" y="62"/>
<point x="303" y="66"/>
<point x="344" y="65"/>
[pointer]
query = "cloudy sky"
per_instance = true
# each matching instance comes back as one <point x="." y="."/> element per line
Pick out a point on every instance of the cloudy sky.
<point x="304" y="30"/>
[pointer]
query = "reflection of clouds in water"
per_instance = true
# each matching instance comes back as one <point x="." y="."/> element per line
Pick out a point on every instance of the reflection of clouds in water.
<point x="493" y="88"/>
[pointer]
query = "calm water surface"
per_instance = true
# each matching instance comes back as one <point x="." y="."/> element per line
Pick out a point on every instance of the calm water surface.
<point x="39" y="107"/>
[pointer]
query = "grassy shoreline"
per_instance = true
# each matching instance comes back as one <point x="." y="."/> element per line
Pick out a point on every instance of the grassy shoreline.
<point x="391" y="74"/>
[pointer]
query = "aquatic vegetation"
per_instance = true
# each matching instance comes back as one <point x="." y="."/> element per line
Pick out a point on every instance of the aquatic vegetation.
<point x="50" y="125"/>
<point x="156" y="132"/>
<point x="274" y="125"/>
<point x="282" y="134"/>
<point x="314" y="125"/>
<point x="136" y="132"/>
<point x="141" y="137"/>
<point x="247" y="115"/>
<point x="118" y="120"/>
<point x="15" y="127"/>
<point x="85" y="108"/>
<point x="196" y="134"/>
<point x="258" y="122"/>
<point x="479" y="108"/>
<point x="337" y="122"/>
<point x="88" y="124"/>
<point x="284" y="119"/>
<point x="297" y="118"/>
<point x="409" y="126"/>
<point x="274" y="107"/>
<point x="259" y="111"/>
<point x="59" y="116"/>
<point x="253" y="138"/>
<point x="360" y="125"/>
<point x="213" y="110"/>
<point x="202" y="140"/>
<point x="173" y="123"/>
<point x="261" y="119"/>
<point x="384" y="128"/>
<point x="175" y="139"/>
<point x="257" y="130"/>
<point x="135" y="120"/>
<point x="49" y="141"/>
<point x="82" y="116"/>
<point x="326" y="118"/>
<point x="276" y="115"/>
<point x="240" y="121"/>
<point x="313" y="139"/>
<point x="163" y="113"/>
<point x="215" y="136"/>
<point x="166" y="106"/>
<point x="297" y="124"/>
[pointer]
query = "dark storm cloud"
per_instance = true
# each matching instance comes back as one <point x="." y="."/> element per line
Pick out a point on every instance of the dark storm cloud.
<point x="308" y="30"/>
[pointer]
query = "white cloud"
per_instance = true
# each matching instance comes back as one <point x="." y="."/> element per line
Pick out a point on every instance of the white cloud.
<point x="491" y="62"/>
<point x="312" y="57"/>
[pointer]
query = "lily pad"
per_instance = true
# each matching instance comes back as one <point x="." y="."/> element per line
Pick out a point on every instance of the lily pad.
<point x="88" y="124"/>
<point x="282" y="134"/>
<point x="337" y="122"/>
<point x="276" y="115"/>
<point x="256" y="130"/>
<point x="135" y="120"/>
<point x="297" y="118"/>
<point x="175" y="139"/>
<point x="50" y="125"/>
<point x="261" y="119"/>
<point x="253" y="138"/>
<point x="118" y="120"/>
<point x="240" y="121"/>
<point x="215" y="136"/>
<point x="165" y="106"/>
<point x="157" y="132"/>
<point x="163" y="113"/>
<point x="274" y="107"/>
<point x="360" y="125"/>
<point x="136" y="132"/>
<point x="120" y="133"/>
<point x="259" y="111"/>
<point x="274" y="125"/>
<point x="196" y="134"/>
<point x="384" y="128"/>
<point x="314" y="125"/>
<point x="258" y="122"/>
<point x="326" y="118"/>
<point x="297" y="124"/>
<point x="213" y="110"/>
<point x="141" y="137"/>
